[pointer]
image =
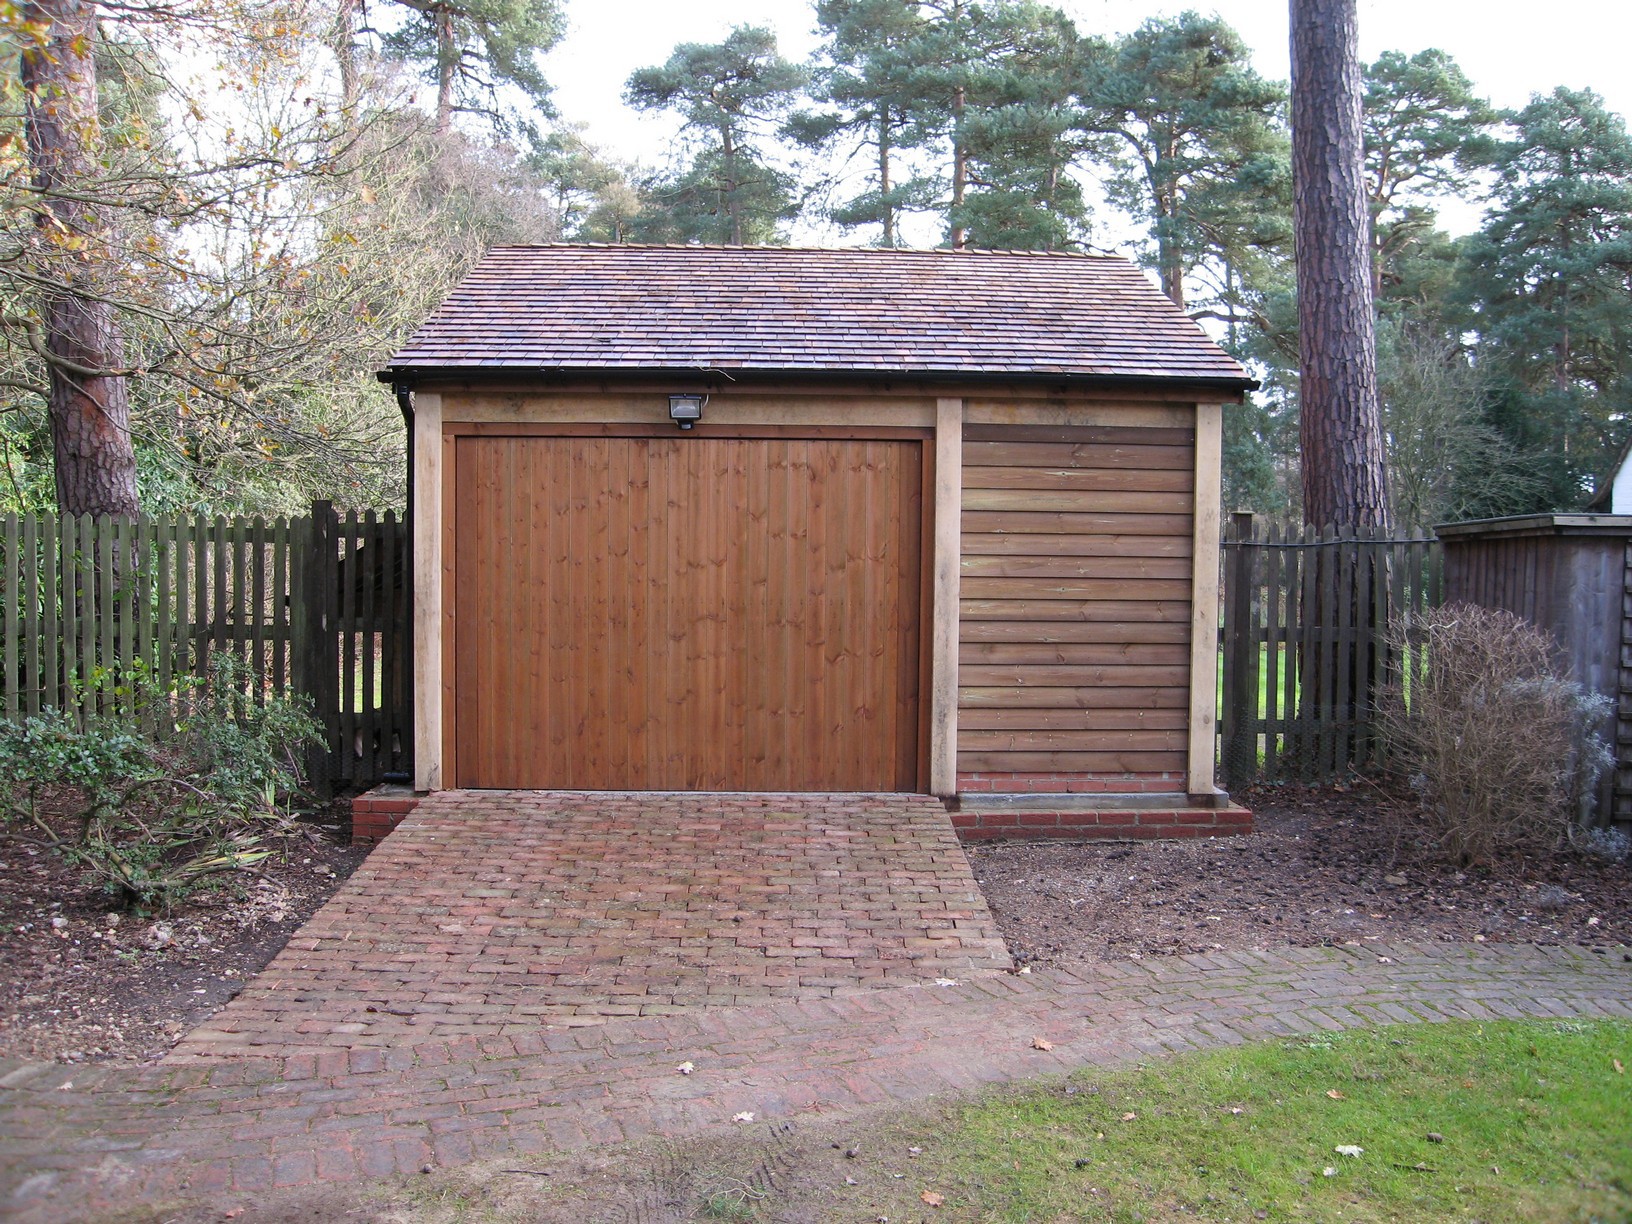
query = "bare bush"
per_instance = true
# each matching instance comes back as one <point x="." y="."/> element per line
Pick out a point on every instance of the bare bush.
<point x="1491" y="735"/>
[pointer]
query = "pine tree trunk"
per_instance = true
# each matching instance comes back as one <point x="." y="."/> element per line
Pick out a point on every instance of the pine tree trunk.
<point x="960" y="171"/>
<point x="1341" y="434"/>
<point x="733" y="203"/>
<point x="1167" y="253"/>
<point x="1341" y="427"/>
<point x="447" y="61"/>
<point x="344" y="36"/>
<point x="886" y="209"/>
<point x="83" y="343"/>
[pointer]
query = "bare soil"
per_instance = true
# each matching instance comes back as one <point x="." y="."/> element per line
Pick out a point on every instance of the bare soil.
<point x="1322" y="867"/>
<point x="83" y="981"/>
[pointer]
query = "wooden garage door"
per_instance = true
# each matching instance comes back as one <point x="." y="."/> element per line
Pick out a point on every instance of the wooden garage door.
<point x="687" y="613"/>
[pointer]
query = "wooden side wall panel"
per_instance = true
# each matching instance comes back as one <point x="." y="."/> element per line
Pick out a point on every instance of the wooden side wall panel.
<point x="1075" y="619"/>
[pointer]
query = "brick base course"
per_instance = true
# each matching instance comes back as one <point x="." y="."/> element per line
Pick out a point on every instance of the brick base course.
<point x="375" y="813"/>
<point x="976" y="823"/>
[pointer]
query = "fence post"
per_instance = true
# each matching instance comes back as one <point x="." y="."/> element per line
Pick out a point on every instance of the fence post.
<point x="1239" y="724"/>
<point x="314" y="657"/>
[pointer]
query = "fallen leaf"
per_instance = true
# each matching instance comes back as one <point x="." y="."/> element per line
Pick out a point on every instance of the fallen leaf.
<point x="1335" y="1094"/>
<point x="933" y="1199"/>
<point x="1041" y="1043"/>
<point x="744" y="1116"/>
<point x="1619" y="1070"/>
<point x="1349" y="1149"/>
<point x="685" y="1068"/>
<point x="1129" y="1117"/>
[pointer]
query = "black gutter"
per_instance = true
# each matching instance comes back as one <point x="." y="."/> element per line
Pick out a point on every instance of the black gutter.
<point x="720" y="377"/>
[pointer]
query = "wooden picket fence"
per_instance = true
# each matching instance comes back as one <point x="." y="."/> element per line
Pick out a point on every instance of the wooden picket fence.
<point x="1305" y="656"/>
<point x="315" y="605"/>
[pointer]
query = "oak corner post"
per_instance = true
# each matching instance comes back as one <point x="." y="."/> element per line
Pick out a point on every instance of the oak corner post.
<point x="1204" y="602"/>
<point x="427" y="526"/>
<point x="948" y="512"/>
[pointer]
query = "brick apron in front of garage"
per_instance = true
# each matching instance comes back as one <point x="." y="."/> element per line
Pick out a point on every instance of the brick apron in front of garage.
<point x="492" y="913"/>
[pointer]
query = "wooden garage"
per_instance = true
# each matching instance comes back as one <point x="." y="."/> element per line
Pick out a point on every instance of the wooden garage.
<point x="770" y="519"/>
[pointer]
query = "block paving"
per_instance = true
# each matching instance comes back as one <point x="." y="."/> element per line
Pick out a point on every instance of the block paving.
<point x="85" y="1143"/>
<point x="490" y="913"/>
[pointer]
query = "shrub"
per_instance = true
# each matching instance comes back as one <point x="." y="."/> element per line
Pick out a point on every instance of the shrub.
<point x="185" y="792"/>
<point x="1494" y="739"/>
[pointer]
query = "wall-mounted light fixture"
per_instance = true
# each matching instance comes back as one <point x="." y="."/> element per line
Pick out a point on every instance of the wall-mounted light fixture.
<point x="686" y="410"/>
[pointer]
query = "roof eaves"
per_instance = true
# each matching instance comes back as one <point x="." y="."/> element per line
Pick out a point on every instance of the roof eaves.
<point x="491" y="372"/>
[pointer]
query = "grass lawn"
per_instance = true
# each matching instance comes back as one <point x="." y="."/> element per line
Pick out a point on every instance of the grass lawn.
<point x="1534" y="1121"/>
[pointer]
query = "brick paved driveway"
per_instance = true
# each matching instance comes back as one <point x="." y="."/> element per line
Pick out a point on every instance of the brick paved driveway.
<point x="495" y="913"/>
<point x="91" y="1143"/>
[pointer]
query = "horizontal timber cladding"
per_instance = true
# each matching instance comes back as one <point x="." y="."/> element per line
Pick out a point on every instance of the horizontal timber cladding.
<point x="1074" y="626"/>
<point x="688" y="613"/>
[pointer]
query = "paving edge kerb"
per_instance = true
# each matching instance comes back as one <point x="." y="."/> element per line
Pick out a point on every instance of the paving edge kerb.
<point x="80" y="1143"/>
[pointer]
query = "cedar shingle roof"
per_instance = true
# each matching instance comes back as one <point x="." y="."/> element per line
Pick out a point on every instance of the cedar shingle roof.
<point x="670" y="308"/>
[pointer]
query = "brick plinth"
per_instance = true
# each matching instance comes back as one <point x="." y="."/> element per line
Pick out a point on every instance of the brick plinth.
<point x="976" y="823"/>
<point x="375" y="813"/>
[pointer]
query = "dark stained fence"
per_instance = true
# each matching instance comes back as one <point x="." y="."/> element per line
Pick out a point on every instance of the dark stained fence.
<point x="1305" y="654"/>
<point x="1570" y="574"/>
<point x="310" y="605"/>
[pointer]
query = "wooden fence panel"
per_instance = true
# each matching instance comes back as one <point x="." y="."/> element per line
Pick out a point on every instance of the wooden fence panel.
<point x="1304" y="645"/>
<point x="309" y="605"/>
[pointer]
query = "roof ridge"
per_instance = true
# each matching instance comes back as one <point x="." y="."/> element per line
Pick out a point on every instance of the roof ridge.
<point x="809" y="250"/>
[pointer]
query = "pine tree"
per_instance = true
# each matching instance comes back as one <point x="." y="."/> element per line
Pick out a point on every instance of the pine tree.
<point x="1546" y="283"/>
<point x="1423" y="127"/>
<point x="1022" y="132"/>
<point x="1201" y="152"/>
<point x="729" y="95"/>
<point x="867" y="113"/>
<point x="472" y="48"/>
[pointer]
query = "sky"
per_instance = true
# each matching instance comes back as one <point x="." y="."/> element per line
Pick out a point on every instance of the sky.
<point x="1510" y="50"/>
